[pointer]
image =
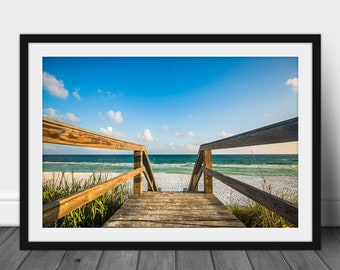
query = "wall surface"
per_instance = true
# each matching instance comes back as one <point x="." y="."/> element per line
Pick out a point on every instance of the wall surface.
<point x="141" y="17"/>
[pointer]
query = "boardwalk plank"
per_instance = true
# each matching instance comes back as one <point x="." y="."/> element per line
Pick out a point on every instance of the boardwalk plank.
<point x="267" y="259"/>
<point x="5" y="232"/>
<point x="43" y="259"/>
<point x="156" y="259"/>
<point x="173" y="210"/>
<point x="230" y="259"/>
<point x="335" y="231"/>
<point x="172" y="224"/>
<point x="194" y="260"/>
<point x="80" y="259"/>
<point x="174" y="216"/>
<point x="330" y="249"/>
<point x="10" y="254"/>
<point x="118" y="260"/>
<point x="11" y="257"/>
<point x="160" y="207"/>
<point x="303" y="259"/>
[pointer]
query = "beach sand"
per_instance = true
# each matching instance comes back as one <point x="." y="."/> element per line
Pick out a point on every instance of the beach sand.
<point x="177" y="182"/>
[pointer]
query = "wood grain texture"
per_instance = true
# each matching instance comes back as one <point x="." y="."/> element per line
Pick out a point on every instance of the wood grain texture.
<point x="281" y="207"/>
<point x="208" y="184"/>
<point x="230" y="260"/>
<point x="285" y="131"/>
<point x="10" y="254"/>
<point x="303" y="259"/>
<point x="173" y="209"/>
<point x="267" y="259"/>
<point x="62" y="133"/>
<point x="194" y="259"/>
<point x="137" y="179"/>
<point x="42" y="260"/>
<point x="335" y="231"/>
<point x="148" y="169"/>
<point x="157" y="259"/>
<point x="194" y="177"/>
<point x="80" y="259"/>
<point x="59" y="208"/>
<point x="11" y="257"/>
<point x="150" y="184"/>
<point x="5" y="232"/>
<point x="118" y="260"/>
<point x="330" y="250"/>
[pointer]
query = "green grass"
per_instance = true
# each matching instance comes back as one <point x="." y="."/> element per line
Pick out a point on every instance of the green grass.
<point x="93" y="214"/>
<point x="256" y="215"/>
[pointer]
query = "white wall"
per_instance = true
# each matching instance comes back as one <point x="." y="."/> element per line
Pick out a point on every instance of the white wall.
<point x="140" y="17"/>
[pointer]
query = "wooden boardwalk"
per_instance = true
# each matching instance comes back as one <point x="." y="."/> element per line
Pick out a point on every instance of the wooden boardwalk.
<point x="173" y="209"/>
<point x="162" y="209"/>
<point x="12" y="258"/>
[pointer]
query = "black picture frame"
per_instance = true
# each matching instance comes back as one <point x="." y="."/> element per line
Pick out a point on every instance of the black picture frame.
<point x="26" y="147"/>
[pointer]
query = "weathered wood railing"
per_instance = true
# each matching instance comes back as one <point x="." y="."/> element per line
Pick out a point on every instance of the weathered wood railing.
<point x="60" y="133"/>
<point x="286" y="131"/>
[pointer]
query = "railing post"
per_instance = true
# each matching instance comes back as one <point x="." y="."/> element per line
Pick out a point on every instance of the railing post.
<point x="196" y="187"/>
<point x="208" y="186"/>
<point x="149" y="172"/>
<point x="137" y="180"/>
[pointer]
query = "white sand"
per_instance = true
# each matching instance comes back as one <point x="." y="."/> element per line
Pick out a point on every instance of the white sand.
<point x="177" y="182"/>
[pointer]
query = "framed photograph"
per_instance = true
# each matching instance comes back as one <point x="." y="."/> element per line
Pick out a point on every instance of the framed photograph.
<point x="170" y="141"/>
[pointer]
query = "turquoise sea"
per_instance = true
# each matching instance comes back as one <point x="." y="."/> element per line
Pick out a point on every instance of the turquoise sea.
<point x="251" y="165"/>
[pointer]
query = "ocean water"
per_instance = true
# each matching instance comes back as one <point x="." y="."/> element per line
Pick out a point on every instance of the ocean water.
<point x="250" y="165"/>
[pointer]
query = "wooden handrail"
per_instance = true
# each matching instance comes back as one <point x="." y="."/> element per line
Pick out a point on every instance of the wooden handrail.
<point x="149" y="172"/>
<point x="59" y="208"/>
<point x="195" y="183"/>
<point x="281" y="207"/>
<point x="61" y="133"/>
<point x="195" y="173"/>
<point x="285" y="131"/>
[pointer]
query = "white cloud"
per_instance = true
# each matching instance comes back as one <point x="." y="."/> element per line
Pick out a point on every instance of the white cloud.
<point x="110" y="132"/>
<point x="293" y="83"/>
<point x="52" y="113"/>
<point x="147" y="136"/>
<point x="224" y="134"/>
<point x="73" y="118"/>
<point x="179" y="134"/>
<point x="189" y="116"/>
<point x="54" y="87"/>
<point x="192" y="147"/>
<point x="115" y="116"/>
<point x="109" y="94"/>
<point x="48" y="146"/>
<point x="76" y="94"/>
<point x="100" y="115"/>
<point x="165" y="127"/>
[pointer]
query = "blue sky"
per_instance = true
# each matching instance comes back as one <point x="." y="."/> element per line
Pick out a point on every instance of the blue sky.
<point x="169" y="104"/>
